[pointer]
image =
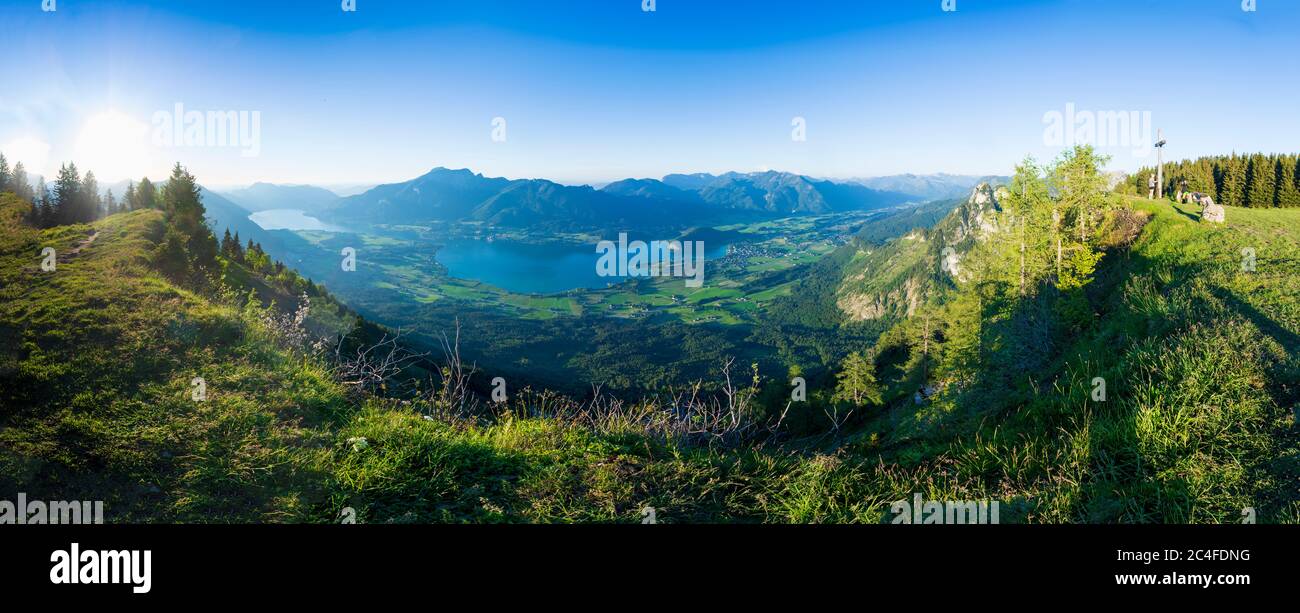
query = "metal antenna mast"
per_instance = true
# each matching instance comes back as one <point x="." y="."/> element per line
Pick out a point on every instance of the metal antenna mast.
<point x="1160" y="165"/>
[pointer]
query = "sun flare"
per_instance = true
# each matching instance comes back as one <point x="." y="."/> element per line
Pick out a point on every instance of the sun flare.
<point x="113" y="145"/>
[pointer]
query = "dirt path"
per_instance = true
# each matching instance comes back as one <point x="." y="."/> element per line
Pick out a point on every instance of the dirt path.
<point x="71" y="253"/>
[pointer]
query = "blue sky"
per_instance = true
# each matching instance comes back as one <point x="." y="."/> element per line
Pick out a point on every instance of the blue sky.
<point x="593" y="91"/>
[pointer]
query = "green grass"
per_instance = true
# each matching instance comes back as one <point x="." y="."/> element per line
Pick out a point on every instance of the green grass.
<point x="1200" y="356"/>
<point x="1200" y="360"/>
<point x="98" y="360"/>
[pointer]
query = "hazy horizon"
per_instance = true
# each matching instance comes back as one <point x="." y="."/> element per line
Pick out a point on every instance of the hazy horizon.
<point x="344" y="190"/>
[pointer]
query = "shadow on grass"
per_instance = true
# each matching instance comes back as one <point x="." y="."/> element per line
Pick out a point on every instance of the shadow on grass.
<point x="1194" y="217"/>
<point x="1026" y="341"/>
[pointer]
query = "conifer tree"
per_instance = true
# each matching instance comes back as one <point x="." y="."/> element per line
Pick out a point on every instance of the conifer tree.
<point x="185" y="212"/>
<point x="227" y="244"/>
<point x="47" y="215"/>
<point x="131" y="200"/>
<point x="19" y="185"/>
<point x="1234" y="181"/>
<point x="88" y="202"/>
<point x="1029" y="205"/>
<point x="67" y="195"/>
<point x="857" y="381"/>
<point x="1288" y="192"/>
<point x="170" y="256"/>
<point x="4" y="174"/>
<point x="1260" y="182"/>
<point x="1080" y="187"/>
<point x="146" y="195"/>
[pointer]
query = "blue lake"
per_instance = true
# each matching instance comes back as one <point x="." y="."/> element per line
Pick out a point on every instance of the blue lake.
<point x="533" y="269"/>
<point x="289" y="219"/>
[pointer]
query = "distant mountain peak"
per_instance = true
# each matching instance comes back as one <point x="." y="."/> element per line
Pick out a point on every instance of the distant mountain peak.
<point x="938" y="186"/>
<point x="445" y="194"/>
<point x="263" y="196"/>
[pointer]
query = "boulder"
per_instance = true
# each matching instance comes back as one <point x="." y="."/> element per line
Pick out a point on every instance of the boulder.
<point x="1209" y="210"/>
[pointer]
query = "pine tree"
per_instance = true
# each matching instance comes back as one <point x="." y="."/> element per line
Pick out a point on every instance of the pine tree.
<point x="32" y="217"/>
<point x="256" y="258"/>
<point x="47" y="215"/>
<point x="1220" y="184"/>
<point x="131" y="200"/>
<point x="39" y="214"/>
<point x="170" y="256"/>
<point x="857" y="381"/>
<point x="89" y="203"/>
<point x="146" y="195"/>
<point x="19" y="185"/>
<point x="227" y="241"/>
<point x="181" y="200"/>
<point x="67" y="195"/>
<point x="1206" y="183"/>
<point x="1234" y="181"/>
<point x="1259" y="182"/>
<point x="185" y="212"/>
<point x="1029" y="203"/>
<point x="1288" y="193"/>
<point x="4" y="174"/>
<point x="1080" y="187"/>
<point x="110" y="204"/>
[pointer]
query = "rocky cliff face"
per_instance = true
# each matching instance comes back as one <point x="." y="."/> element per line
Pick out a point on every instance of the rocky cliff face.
<point x="974" y="218"/>
<point x="902" y="300"/>
<point x="896" y="278"/>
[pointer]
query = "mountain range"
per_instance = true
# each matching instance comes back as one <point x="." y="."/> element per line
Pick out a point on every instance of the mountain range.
<point x="266" y="196"/>
<point x="939" y="186"/>
<point x="462" y="195"/>
<point x="447" y="195"/>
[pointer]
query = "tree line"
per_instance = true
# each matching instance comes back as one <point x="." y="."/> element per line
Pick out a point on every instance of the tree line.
<point x="256" y="259"/>
<point x="74" y="198"/>
<point x="15" y="180"/>
<point x="188" y="250"/>
<point x="1254" y="180"/>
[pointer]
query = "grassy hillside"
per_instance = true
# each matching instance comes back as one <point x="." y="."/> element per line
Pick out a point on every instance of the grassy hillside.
<point x="98" y="358"/>
<point x="1200" y="363"/>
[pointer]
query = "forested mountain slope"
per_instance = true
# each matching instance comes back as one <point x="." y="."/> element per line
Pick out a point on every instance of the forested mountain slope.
<point x="444" y="195"/>
<point x="895" y="278"/>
